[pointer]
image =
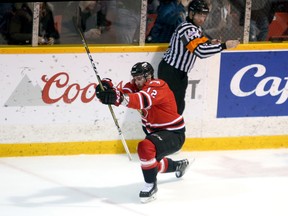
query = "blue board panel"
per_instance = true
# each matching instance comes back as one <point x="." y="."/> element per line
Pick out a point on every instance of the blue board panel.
<point x="253" y="84"/>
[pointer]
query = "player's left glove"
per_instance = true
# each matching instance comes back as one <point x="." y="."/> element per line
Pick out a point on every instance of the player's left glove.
<point x="110" y="96"/>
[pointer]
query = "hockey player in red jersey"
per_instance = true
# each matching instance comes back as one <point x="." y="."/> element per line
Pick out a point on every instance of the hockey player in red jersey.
<point x="164" y="127"/>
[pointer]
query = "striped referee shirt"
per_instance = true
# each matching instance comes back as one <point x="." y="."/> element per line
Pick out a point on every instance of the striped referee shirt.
<point x="186" y="44"/>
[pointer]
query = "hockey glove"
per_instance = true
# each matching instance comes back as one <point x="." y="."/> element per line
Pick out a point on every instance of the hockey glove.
<point x="106" y="83"/>
<point x="110" y="96"/>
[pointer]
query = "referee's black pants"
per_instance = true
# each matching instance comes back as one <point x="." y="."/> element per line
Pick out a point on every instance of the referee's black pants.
<point x="177" y="81"/>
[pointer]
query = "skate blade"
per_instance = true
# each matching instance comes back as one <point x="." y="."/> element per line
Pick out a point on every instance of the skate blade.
<point x="148" y="199"/>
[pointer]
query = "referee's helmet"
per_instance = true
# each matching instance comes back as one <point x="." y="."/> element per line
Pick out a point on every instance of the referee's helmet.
<point x="198" y="6"/>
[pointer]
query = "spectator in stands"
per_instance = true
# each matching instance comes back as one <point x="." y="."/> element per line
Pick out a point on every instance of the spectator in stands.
<point x="91" y="18"/>
<point x="127" y="21"/>
<point x="6" y="12"/>
<point x="121" y="22"/>
<point x="47" y="29"/>
<point x="219" y="20"/>
<point x="170" y="13"/>
<point x="261" y="17"/>
<point x="152" y="6"/>
<point x="21" y="23"/>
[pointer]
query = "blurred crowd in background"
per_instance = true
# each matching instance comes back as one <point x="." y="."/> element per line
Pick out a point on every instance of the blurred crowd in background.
<point x="119" y="21"/>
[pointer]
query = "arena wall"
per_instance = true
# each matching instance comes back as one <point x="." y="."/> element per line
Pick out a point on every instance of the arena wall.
<point x="235" y="100"/>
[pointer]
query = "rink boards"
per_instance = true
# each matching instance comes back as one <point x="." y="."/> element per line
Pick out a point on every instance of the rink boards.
<point x="235" y="100"/>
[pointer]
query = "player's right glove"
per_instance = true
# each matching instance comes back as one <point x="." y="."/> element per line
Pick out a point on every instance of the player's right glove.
<point x="106" y="83"/>
<point x="110" y="96"/>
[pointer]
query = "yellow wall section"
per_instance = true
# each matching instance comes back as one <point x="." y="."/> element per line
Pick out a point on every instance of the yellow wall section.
<point x="80" y="49"/>
<point x="121" y="48"/>
<point x="115" y="146"/>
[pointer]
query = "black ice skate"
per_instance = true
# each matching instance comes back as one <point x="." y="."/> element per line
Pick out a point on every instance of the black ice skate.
<point x="181" y="167"/>
<point x="148" y="193"/>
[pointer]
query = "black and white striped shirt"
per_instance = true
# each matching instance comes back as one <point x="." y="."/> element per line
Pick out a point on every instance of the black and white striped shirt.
<point x="188" y="43"/>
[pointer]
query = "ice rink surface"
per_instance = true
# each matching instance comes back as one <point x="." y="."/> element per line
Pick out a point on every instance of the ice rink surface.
<point x="224" y="183"/>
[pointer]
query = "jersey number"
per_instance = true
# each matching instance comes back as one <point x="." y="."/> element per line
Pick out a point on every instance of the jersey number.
<point x="153" y="93"/>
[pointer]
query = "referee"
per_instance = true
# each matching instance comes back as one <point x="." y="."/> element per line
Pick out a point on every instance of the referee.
<point x="188" y="43"/>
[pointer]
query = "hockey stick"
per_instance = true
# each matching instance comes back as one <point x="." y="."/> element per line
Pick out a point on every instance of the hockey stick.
<point x="101" y="86"/>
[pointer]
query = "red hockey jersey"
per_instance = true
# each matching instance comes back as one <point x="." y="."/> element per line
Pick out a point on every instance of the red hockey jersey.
<point x="158" y="105"/>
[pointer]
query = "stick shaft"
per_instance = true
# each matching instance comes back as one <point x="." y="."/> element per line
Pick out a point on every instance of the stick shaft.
<point x="101" y="86"/>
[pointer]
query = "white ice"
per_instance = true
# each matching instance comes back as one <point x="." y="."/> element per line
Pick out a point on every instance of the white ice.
<point x="224" y="183"/>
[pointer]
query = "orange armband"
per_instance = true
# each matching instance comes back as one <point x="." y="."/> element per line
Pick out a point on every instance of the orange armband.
<point x="191" y="46"/>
